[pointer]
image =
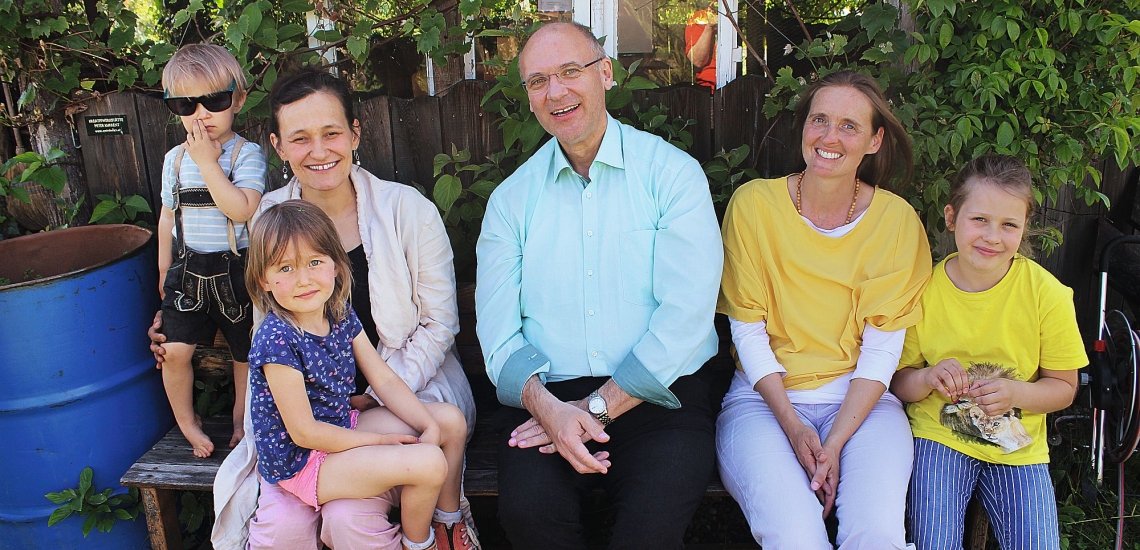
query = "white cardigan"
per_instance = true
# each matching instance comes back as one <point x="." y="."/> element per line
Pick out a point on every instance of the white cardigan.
<point x="411" y="283"/>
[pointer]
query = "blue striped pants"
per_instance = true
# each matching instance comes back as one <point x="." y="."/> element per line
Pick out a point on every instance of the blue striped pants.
<point x="1018" y="499"/>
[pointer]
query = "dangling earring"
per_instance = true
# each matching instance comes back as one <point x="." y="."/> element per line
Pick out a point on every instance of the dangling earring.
<point x="285" y="170"/>
<point x="356" y="157"/>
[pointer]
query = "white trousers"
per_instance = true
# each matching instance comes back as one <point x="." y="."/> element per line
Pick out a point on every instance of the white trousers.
<point x="760" y="470"/>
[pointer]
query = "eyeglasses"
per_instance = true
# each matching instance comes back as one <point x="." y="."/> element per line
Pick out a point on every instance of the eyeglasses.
<point x="215" y="102"/>
<point x="538" y="83"/>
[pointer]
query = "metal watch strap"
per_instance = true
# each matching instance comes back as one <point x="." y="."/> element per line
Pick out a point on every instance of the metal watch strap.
<point x="604" y="416"/>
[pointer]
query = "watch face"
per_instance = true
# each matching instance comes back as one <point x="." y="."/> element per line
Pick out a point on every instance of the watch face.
<point x="597" y="405"/>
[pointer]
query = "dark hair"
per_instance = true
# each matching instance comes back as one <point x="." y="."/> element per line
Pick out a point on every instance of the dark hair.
<point x="291" y="223"/>
<point x="1003" y="171"/>
<point x="895" y="157"/>
<point x="305" y="83"/>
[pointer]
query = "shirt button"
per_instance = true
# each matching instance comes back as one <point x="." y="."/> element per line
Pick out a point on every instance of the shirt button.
<point x="588" y="195"/>
<point x="591" y="312"/>
<point x="590" y="272"/>
<point x="589" y="233"/>
<point x="595" y="353"/>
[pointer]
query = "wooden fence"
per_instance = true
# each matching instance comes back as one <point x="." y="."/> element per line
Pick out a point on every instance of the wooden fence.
<point x="400" y="138"/>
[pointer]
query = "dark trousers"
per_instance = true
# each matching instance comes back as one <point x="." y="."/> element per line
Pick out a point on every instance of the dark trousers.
<point x="661" y="459"/>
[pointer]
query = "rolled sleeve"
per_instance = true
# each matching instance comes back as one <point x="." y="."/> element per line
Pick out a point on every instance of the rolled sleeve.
<point x="520" y="366"/>
<point x="636" y="380"/>
<point x="879" y="355"/>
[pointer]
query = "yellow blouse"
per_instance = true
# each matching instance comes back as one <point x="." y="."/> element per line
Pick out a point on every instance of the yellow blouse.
<point x="815" y="293"/>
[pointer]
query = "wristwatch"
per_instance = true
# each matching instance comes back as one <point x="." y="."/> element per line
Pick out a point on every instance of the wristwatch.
<point x="597" y="405"/>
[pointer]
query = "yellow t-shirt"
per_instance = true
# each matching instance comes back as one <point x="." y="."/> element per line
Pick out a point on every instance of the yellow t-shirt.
<point x="814" y="292"/>
<point x="1025" y="321"/>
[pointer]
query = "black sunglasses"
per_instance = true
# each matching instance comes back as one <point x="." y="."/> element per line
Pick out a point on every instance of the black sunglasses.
<point x="215" y="102"/>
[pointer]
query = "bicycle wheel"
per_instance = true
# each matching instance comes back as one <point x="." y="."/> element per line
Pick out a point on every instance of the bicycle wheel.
<point x="1122" y="418"/>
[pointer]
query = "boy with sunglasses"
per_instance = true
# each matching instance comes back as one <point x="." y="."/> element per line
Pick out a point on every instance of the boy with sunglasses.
<point x="211" y="185"/>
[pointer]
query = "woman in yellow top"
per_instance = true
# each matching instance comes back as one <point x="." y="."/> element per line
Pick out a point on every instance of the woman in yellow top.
<point x="997" y="349"/>
<point x="823" y="273"/>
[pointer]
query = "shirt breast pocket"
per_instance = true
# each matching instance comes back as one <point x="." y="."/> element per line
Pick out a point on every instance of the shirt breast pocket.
<point x="637" y="267"/>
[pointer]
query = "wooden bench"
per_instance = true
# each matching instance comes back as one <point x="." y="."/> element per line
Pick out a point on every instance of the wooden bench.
<point x="170" y="466"/>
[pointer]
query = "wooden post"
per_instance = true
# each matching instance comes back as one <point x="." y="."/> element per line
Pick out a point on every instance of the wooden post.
<point x="452" y="72"/>
<point x="161" y="518"/>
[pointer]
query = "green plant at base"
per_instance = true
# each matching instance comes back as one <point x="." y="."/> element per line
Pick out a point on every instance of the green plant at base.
<point x="101" y="509"/>
<point x="119" y="209"/>
<point x="213" y="396"/>
<point x="195" y="517"/>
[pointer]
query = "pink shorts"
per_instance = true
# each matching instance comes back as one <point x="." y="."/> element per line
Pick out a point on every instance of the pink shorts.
<point x="304" y="484"/>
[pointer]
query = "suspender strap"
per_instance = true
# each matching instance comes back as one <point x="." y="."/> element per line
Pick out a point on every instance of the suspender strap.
<point x="200" y="197"/>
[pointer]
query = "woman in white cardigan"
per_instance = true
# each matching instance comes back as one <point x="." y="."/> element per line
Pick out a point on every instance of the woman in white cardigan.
<point x="400" y="249"/>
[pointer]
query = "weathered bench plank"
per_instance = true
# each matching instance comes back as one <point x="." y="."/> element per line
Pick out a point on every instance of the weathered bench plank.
<point x="171" y="466"/>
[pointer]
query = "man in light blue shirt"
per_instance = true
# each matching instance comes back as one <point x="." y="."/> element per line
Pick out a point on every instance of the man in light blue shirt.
<point x="599" y="266"/>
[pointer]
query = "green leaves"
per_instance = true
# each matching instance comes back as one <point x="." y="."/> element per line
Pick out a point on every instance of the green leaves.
<point x="118" y="209"/>
<point x="447" y="189"/>
<point x="37" y="170"/>
<point x="99" y="508"/>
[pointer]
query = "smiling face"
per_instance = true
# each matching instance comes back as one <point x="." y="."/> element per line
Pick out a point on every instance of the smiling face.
<point x="838" y="132"/>
<point x="988" y="229"/>
<point x="220" y="125"/>
<point x="301" y="281"/>
<point x="573" y="111"/>
<point x="316" y="140"/>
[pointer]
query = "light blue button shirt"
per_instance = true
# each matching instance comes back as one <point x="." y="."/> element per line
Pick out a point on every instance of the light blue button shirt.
<point x="612" y="276"/>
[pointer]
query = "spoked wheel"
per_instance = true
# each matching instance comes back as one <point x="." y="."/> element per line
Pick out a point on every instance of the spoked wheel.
<point x="1121" y="407"/>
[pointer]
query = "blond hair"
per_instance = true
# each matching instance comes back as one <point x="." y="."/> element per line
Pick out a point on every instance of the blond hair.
<point x="293" y="223"/>
<point x="206" y="63"/>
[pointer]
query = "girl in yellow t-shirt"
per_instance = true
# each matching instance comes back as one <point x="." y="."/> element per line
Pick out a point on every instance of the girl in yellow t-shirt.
<point x="997" y="349"/>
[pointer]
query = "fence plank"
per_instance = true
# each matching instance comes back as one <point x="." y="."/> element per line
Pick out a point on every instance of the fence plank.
<point x="738" y="111"/>
<point x="416" y="139"/>
<point x="115" y="163"/>
<point x="466" y="126"/>
<point x="154" y="120"/>
<point x="376" y="153"/>
<point x="688" y="102"/>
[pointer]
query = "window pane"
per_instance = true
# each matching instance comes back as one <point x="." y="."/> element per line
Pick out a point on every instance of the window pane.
<point x="661" y="34"/>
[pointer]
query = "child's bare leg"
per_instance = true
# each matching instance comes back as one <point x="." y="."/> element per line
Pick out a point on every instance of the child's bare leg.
<point x="241" y="382"/>
<point x="453" y="428"/>
<point x="178" y="379"/>
<point x="370" y="471"/>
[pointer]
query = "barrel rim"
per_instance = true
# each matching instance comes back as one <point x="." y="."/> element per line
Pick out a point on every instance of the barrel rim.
<point x="122" y="257"/>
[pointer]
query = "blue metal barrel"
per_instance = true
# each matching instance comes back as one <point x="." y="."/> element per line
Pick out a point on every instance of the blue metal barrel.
<point x="78" y="385"/>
